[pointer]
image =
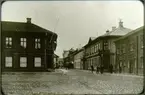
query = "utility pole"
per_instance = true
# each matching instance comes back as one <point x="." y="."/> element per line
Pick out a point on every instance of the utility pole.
<point x="52" y="38"/>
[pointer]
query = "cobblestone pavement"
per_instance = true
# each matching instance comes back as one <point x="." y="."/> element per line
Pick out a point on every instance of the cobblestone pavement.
<point x="69" y="82"/>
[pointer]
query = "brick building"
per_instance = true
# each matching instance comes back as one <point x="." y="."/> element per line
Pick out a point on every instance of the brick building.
<point x="27" y="47"/>
<point x="101" y="50"/>
<point x="129" y="52"/>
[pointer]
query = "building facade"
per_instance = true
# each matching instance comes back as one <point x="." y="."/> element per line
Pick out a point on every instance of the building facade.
<point x="101" y="50"/>
<point x="27" y="47"/>
<point x="129" y="52"/>
<point x="78" y="58"/>
<point x="69" y="58"/>
<point x="55" y="60"/>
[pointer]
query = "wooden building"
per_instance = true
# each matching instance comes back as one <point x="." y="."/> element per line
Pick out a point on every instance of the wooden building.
<point x="129" y="52"/>
<point x="68" y="57"/>
<point x="27" y="47"/>
<point x="100" y="51"/>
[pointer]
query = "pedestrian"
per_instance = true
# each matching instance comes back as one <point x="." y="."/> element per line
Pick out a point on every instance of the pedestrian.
<point x="111" y="68"/>
<point x="92" y="68"/>
<point x="120" y="69"/>
<point x="102" y="69"/>
<point x="97" y="68"/>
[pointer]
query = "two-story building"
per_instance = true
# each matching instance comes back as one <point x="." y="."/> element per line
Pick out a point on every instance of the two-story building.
<point x="78" y="58"/>
<point x="69" y="58"/>
<point x="101" y="50"/>
<point x="129" y="52"/>
<point x="27" y="46"/>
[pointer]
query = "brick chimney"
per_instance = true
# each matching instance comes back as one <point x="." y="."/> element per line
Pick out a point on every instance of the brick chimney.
<point x="120" y="24"/>
<point x="107" y="31"/>
<point x="28" y="20"/>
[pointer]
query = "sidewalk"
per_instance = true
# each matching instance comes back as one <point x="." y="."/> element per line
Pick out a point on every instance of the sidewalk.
<point x="116" y="74"/>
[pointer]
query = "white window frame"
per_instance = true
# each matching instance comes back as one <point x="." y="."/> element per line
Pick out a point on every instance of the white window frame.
<point x="128" y="64"/>
<point x="141" y="41"/>
<point x="23" y="42"/>
<point x="8" y="42"/>
<point x="8" y="61"/>
<point x="23" y="63"/>
<point x="37" y="64"/>
<point x="37" y="43"/>
<point x="141" y="61"/>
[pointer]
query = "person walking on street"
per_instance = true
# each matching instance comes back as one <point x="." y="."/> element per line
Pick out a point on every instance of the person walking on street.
<point x="97" y="69"/>
<point x="102" y="69"/>
<point x="92" y="68"/>
<point x="111" y="68"/>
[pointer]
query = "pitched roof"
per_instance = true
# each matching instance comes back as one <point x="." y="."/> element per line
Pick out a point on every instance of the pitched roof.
<point x="22" y="27"/>
<point x="130" y="33"/>
<point x="120" y="31"/>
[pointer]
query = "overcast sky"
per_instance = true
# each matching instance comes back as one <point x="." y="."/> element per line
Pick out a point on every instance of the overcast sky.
<point x="78" y="20"/>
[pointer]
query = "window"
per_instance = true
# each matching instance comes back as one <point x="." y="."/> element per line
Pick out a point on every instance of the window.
<point x="8" y="61"/>
<point x="97" y="47"/>
<point x="37" y="43"/>
<point x="8" y="42"/>
<point x="23" y="42"/>
<point x="23" y="62"/>
<point x="141" y="62"/>
<point x="123" y="48"/>
<point x="128" y="65"/>
<point x="141" y="41"/>
<point x="37" y="62"/>
<point x="131" y="45"/>
<point x="105" y="45"/>
<point x="117" y="51"/>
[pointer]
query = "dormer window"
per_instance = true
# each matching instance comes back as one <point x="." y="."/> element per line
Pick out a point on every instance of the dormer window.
<point x="8" y="42"/>
<point x="37" y="43"/>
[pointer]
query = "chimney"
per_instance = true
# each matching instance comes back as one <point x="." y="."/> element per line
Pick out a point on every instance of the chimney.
<point x="107" y="31"/>
<point x="120" y="24"/>
<point x="113" y="28"/>
<point x="28" y="20"/>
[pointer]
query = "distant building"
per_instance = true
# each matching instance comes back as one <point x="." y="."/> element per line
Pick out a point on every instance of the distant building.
<point x="69" y="58"/>
<point x="55" y="62"/>
<point x="129" y="52"/>
<point x="60" y="62"/>
<point x="27" y="47"/>
<point x="65" y="53"/>
<point x="78" y="58"/>
<point x="100" y="51"/>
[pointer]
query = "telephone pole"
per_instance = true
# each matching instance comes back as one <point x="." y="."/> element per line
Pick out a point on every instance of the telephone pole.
<point x="52" y="42"/>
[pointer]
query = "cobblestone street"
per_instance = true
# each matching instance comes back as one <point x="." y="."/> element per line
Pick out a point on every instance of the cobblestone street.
<point x="69" y="82"/>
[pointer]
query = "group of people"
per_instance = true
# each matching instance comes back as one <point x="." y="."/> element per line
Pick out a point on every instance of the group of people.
<point x="100" y="68"/>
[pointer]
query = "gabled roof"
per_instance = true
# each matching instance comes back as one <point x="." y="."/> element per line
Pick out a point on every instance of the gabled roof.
<point x="22" y="27"/>
<point x="115" y="32"/>
<point x="130" y="33"/>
